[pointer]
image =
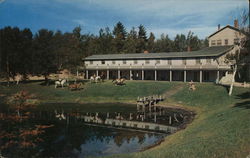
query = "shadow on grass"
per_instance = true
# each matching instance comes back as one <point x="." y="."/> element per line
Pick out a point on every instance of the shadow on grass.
<point x="226" y="87"/>
<point x="12" y="83"/>
<point x="244" y="104"/>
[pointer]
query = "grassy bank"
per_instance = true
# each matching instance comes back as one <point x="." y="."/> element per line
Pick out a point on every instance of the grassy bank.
<point x="221" y="127"/>
<point x="101" y="92"/>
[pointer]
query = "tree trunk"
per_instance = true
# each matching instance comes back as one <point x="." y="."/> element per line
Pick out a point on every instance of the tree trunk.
<point x="233" y="80"/>
<point x="46" y="79"/>
<point x="8" y="71"/>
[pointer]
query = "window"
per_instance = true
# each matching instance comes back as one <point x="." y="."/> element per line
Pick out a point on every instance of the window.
<point x="135" y="61"/>
<point x="209" y="60"/>
<point x="169" y="62"/>
<point x="103" y="62"/>
<point x="198" y="61"/>
<point x="113" y="62"/>
<point x="147" y="61"/>
<point x="157" y="62"/>
<point x="90" y="62"/>
<point x="226" y="41"/>
<point x="124" y="62"/>
<point x="213" y="42"/>
<point x="184" y="61"/>
<point x="218" y="42"/>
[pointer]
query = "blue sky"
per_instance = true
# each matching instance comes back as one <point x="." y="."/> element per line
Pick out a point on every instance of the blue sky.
<point x="158" y="16"/>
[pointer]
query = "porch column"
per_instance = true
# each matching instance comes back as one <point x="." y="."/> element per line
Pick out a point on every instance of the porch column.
<point x="119" y="74"/>
<point x="130" y="74"/>
<point x="218" y="77"/>
<point x="87" y="74"/>
<point x="97" y="73"/>
<point x="200" y="76"/>
<point x="107" y="74"/>
<point x="170" y="75"/>
<point x="185" y="76"/>
<point x="142" y="74"/>
<point x="155" y="75"/>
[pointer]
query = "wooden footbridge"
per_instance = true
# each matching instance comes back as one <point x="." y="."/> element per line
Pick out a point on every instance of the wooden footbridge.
<point x="147" y="103"/>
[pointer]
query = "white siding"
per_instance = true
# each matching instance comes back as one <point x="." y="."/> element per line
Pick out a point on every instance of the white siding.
<point x="228" y="34"/>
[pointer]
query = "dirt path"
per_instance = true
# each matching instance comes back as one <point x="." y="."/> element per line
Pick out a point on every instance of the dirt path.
<point x="173" y="91"/>
<point x="168" y="102"/>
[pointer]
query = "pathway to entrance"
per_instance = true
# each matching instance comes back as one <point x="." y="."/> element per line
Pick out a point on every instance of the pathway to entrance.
<point x="167" y="95"/>
<point x="173" y="91"/>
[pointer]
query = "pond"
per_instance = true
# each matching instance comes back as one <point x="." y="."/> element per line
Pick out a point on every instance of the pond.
<point x="80" y="140"/>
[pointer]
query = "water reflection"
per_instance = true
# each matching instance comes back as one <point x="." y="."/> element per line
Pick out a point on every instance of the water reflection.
<point x="83" y="140"/>
<point x="99" y="148"/>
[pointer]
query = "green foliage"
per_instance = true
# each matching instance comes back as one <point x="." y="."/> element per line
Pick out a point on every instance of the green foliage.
<point x="48" y="51"/>
<point x="142" y="39"/>
<point x="164" y="44"/>
<point x="151" y="42"/>
<point x="131" y="42"/>
<point x="43" y="57"/>
<point x="180" y="44"/>
<point x="120" y="34"/>
<point x="15" y="51"/>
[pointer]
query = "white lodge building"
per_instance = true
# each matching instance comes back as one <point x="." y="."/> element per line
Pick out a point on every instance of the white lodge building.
<point x="206" y="65"/>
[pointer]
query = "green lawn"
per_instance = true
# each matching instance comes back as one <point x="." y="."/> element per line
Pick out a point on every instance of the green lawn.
<point x="221" y="127"/>
<point x="101" y="92"/>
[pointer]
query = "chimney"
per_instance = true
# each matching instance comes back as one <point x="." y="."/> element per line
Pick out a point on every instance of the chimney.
<point x="218" y="27"/>
<point x="145" y="52"/>
<point x="236" y="23"/>
<point x="189" y="49"/>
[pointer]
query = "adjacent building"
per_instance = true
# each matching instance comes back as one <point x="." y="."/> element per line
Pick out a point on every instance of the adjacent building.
<point x="206" y="65"/>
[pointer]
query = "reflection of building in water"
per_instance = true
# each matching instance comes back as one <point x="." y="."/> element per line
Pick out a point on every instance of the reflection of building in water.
<point x="160" y="120"/>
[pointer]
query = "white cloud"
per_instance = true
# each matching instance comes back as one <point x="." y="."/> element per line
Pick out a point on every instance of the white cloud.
<point x="1" y="1"/>
<point x="79" y="22"/>
<point x="201" y="32"/>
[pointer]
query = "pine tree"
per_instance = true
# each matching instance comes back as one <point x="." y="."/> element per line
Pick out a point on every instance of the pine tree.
<point x="120" y="34"/>
<point x="131" y="42"/>
<point x="151" y="42"/>
<point x="164" y="44"/>
<point x="142" y="39"/>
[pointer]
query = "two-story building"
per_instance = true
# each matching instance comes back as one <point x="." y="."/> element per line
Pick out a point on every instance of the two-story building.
<point x="206" y="65"/>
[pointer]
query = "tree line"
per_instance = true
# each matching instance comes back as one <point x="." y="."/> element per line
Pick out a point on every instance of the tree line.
<point x="47" y="51"/>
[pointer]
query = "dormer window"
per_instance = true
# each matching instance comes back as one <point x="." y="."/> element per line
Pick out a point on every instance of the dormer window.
<point x="226" y="41"/>
<point x="218" y="42"/>
<point x="103" y="62"/>
<point x="90" y="62"/>
<point x="213" y="42"/>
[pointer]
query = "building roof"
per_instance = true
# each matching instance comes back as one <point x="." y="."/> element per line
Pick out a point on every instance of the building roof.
<point x="206" y="52"/>
<point x="228" y="26"/>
